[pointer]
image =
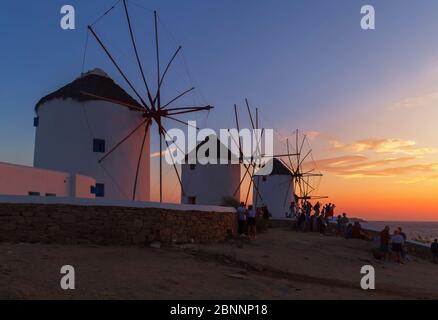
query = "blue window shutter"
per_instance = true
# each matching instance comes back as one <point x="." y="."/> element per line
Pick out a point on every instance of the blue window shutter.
<point x="100" y="190"/>
<point x="99" y="146"/>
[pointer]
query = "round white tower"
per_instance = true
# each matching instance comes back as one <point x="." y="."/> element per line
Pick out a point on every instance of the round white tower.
<point x="211" y="184"/>
<point x="276" y="190"/>
<point x="74" y="131"/>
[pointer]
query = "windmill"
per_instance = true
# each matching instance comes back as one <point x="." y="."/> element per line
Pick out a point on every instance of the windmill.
<point x="250" y="164"/>
<point x="151" y="106"/>
<point x="304" y="170"/>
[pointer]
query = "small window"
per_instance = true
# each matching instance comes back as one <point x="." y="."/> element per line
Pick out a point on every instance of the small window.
<point x="36" y="121"/>
<point x="99" y="145"/>
<point x="34" y="194"/>
<point x="192" y="167"/>
<point x="93" y="190"/>
<point x="192" y="200"/>
<point x="99" y="190"/>
<point x="50" y="195"/>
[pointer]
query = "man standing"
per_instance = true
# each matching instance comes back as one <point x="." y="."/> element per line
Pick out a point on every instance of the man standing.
<point x="241" y="211"/>
<point x="434" y="249"/>
<point x="384" y="242"/>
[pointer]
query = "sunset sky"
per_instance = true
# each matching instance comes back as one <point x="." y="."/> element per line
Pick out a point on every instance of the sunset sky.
<point x="367" y="99"/>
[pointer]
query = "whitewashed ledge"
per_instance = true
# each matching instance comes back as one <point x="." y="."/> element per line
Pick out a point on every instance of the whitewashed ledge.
<point x="110" y="203"/>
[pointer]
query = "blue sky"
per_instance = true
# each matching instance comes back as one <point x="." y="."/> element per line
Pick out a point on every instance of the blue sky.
<point x="306" y="63"/>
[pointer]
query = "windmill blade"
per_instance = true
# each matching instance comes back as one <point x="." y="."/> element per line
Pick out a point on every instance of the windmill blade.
<point x="157" y="51"/>
<point x="124" y="104"/>
<point x="139" y="159"/>
<point x="297" y="151"/>
<point x="287" y="192"/>
<point x="289" y="155"/>
<point x="238" y="130"/>
<point x="305" y="157"/>
<point x="176" y="170"/>
<point x="118" y="68"/>
<point x="182" y="122"/>
<point x="123" y="140"/>
<point x="280" y="155"/>
<point x="249" y="112"/>
<point x="241" y="182"/>
<point x="302" y="145"/>
<point x="308" y="185"/>
<point x="249" y="189"/>
<point x="177" y="97"/>
<point x="191" y="110"/>
<point x="161" y="161"/>
<point x="137" y="55"/>
<point x="165" y="72"/>
<point x="256" y="187"/>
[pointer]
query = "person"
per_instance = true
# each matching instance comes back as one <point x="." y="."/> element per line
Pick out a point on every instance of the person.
<point x="384" y="242"/>
<point x="301" y="220"/>
<point x="434" y="249"/>
<point x="349" y="231"/>
<point x="339" y="226"/>
<point x="397" y="245"/>
<point x="356" y="232"/>
<point x="266" y="214"/>
<point x="252" y="222"/>
<point x="315" y="222"/>
<point x="307" y="222"/>
<point x="322" y="224"/>
<point x="316" y="208"/>
<point x="344" y="223"/>
<point x="292" y="210"/>
<point x="241" y="211"/>
<point x="403" y="251"/>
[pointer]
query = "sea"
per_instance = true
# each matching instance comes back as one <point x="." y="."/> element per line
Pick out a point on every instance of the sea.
<point x="424" y="232"/>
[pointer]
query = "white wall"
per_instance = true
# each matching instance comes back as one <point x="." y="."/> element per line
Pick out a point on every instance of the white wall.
<point x="210" y="183"/>
<point x="20" y="180"/>
<point x="277" y="193"/>
<point x="64" y="142"/>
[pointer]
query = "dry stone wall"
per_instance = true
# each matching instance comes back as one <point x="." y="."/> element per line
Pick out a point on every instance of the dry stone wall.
<point x="101" y="225"/>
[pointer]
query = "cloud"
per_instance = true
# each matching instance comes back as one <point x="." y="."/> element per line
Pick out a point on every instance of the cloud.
<point x="385" y="145"/>
<point x="163" y="153"/>
<point x="418" y="179"/>
<point x="430" y="99"/>
<point x="357" y="166"/>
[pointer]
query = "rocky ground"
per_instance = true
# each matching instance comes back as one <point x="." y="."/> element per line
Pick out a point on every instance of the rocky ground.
<point x="280" y="264"/>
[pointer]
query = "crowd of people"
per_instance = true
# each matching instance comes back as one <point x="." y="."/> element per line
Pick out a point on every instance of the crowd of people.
<point x="392" y="246"/>
<point x="313" y="218"/>
<point x="249" y="218"/>
<point x="316" y="218"/>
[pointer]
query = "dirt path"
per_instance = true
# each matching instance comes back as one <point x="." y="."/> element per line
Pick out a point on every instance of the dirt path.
<point x="269" y="268"/>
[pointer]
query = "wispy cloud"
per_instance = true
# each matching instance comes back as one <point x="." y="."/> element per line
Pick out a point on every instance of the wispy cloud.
<point x="427" y="100"/>
<point x="357" y="166"/>
<point x="418" y="179"/>
<point x="384" y="145"/>
<point x="163" y="153"/>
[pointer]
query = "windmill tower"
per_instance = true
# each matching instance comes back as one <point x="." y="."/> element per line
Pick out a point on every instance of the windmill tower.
<point x="291" y="182"/>
<point x="275" y="190"/>
<point x="128" y="150"/>
<point x="74" y="131"/>
<point x="211" y="184"/>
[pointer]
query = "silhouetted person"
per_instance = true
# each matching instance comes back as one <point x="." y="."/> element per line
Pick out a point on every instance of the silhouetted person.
<point x="384" y="242"/>
<point x="434" y="249"/>
<point x="252" y="222"/>
<point x="241" y="211"/>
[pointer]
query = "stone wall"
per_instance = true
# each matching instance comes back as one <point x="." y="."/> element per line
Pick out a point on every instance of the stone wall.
<point x="103" y="225"/>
